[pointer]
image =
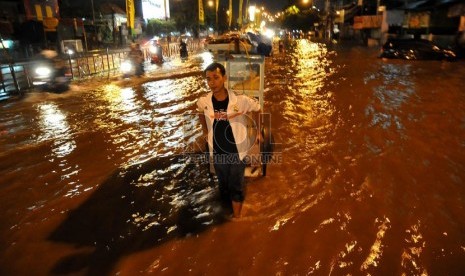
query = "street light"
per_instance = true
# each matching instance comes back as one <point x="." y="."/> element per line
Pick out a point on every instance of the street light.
<point x="307" y="4"/>
<point x="252" y="13"/>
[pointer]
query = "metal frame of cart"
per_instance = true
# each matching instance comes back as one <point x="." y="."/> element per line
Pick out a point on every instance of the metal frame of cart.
<point x="246" y="75"/>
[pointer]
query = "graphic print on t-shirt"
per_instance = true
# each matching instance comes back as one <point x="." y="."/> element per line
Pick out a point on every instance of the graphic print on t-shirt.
<point x="221" y="115"/>
<point x="223" y="138"/>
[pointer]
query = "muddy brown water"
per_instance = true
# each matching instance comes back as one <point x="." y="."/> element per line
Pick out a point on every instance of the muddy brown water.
<point x="368" y="179"/>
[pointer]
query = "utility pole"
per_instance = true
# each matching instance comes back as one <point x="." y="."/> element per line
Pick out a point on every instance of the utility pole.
<point x="217" y="4"/>
<point x="328" y="19"/>
<point x="93" y="12"/>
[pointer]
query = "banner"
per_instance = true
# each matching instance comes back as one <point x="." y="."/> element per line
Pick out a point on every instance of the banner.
<point x="230" y="13"/>
<point x="159" y="9"/>
<point x="367" y="22"/>
<point x="201" y="13"/>
<point x="38" y="10"/>
<point x="130" y="14"/>
<point x="418" y="20"/>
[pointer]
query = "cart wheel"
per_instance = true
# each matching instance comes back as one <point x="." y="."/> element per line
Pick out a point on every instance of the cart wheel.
<point x="266" y="148"/>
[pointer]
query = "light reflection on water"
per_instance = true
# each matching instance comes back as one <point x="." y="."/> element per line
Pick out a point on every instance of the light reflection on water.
<point x="174" y="116"/>
<point x="306" y="109"/>
<point x="54" y="126"/>
<point x="312" y="65"/>
<point x="153" y="120"/>
<point x="325" y="132"/>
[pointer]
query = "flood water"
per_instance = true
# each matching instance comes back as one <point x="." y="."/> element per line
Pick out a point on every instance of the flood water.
<point x="370" y="178"/>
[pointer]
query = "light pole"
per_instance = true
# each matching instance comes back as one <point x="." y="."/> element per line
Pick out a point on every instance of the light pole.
<point x="328" y="20"/>
<point x="96" y="32"/>
<point x="217" y="4"/>
<point x="93" y="12"/>
<point x="211" y="4"/>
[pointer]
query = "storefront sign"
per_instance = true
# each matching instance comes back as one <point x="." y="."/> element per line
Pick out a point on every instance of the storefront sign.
<point x="418" y="20"/>
<point x="367" y="22"/>
<point x="50" y="23"/>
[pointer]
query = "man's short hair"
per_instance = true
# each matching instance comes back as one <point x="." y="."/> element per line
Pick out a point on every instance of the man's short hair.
<point x="213" y="67"/>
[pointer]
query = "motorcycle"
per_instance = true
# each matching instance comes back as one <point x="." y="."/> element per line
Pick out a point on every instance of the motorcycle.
<point x="156" y="54"/>
<point x="47" y="77"/>
<point x="130" y="68"/>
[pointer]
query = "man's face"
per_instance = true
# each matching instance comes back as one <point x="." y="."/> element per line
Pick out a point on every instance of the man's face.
<point x="215" y="80"/>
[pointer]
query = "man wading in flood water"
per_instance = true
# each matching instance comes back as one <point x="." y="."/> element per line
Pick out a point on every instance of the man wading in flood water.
<point x="224" y="123"/>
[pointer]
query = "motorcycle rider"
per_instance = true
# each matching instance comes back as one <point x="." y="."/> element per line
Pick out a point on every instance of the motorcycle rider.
<point x="50" y="71"/>
<point x="156" y="52"/>
<point x="183" y="50"/>
<point x="49" y="57"/>
<point x="137" y="58"/>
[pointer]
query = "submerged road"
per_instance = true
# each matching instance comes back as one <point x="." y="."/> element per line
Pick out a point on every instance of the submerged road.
<point x="370" y="178"/>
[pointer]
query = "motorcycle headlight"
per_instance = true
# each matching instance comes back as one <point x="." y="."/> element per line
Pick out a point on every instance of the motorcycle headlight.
<point x="43" y="71"/>
<point x="152" y="49"/>
<point x="126" y="66"/>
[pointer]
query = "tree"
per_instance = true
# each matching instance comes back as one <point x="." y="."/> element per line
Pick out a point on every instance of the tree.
<point x="158" y="27"/>
<point x="185" y="14"/>
<point x="71" y="9"/>
<point x="300" y="19"/>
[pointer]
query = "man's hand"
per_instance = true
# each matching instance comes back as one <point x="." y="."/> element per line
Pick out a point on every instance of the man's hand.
<point x="259" y="137"/>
